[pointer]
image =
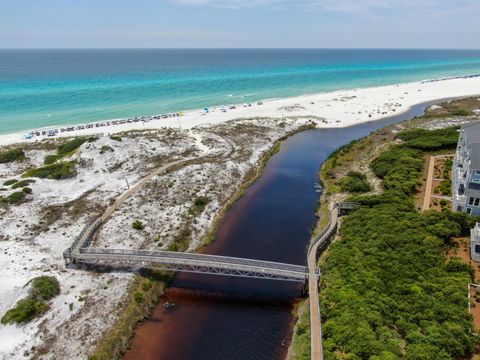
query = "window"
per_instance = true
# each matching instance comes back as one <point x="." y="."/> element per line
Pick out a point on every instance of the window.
<point x="469" y="211"/>
<point x="477" y="248"/>
<point x="477" y="172"/>
<point x="477" y="201"/>
<point x="459" y="208"/>
<point x="470" y="201"/>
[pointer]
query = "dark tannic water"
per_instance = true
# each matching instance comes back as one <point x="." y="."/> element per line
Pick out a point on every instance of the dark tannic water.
<point x="231" y="318"/>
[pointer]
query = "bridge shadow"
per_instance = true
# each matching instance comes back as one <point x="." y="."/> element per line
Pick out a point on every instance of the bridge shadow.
<point x="208" y="285"/>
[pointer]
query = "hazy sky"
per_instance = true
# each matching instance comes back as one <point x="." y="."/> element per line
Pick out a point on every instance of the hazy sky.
<point x="239" y="23"/>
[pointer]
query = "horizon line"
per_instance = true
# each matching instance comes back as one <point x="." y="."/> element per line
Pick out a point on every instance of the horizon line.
<point x="237" y="48"/>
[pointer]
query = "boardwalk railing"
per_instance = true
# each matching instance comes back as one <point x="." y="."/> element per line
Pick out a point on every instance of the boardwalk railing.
<point x="84" y="238"/>
<point x="320" y="242"/>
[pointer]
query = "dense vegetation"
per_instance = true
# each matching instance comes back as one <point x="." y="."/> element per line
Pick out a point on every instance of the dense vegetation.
<point x="445" y="186"/>
<point x="388" y="290"/>
<point x="422" y="139"/>
<point x="42" y="289"/>
<point x="355" y="182"/>
<point x="11" y="155"/>
<point x="59" y="170"/>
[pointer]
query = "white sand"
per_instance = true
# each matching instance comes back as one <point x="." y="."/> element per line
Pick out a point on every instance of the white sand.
<point x="339" y="109"/>
<point x="33" y="235"/>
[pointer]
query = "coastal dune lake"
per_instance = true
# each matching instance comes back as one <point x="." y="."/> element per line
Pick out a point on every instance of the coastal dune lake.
<point x="218" y="317"/>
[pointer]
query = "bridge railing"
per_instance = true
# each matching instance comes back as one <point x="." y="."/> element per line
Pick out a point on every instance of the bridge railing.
<point x="84" y="238"/>
<point x="192" y="257"/>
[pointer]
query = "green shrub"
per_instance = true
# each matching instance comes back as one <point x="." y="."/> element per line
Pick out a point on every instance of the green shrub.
<point x="10" y="182"/>
<point x="27" y="190"/>
<point x="45" y="288"/>
<point x="24" y="311"/>
<point x="116" y="138"/>
<point x="57" y="171"/>
<point x="14" y="198"/>
<point x="138" y="295"/>
<point x="462" y="113"/>
<point x="106" y="148"/>
<point x="182" y="240"/>
<point x="70" y="146"/>
<point x="199" y="205"/>
<point x="11" y="156"/>
<point x="65" y="149"/>
<point x="137" y="225"/>
<point x="445" y="187"/>
<point x="22" y="183"/>
<point x="180" y="245"/>
<point x="355" y="182"/>
<point x="42" y="289"/>
<point x="50" y="159"/>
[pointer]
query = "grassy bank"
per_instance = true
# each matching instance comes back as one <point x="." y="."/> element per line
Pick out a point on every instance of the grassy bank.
<point x="142" y="296"/>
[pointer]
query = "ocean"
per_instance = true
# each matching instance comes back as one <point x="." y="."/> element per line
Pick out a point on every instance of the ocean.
<point x="41" y="88"/>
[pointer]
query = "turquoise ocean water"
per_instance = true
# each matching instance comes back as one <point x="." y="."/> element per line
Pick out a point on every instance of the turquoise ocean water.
<point x="55" y="87"/>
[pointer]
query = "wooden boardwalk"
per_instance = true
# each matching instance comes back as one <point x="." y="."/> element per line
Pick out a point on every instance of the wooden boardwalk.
<point x="321" y="241"/>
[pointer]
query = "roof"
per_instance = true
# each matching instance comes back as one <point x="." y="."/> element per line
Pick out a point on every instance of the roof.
<point x="472" y="132"/>
<point x="475" y="161"/>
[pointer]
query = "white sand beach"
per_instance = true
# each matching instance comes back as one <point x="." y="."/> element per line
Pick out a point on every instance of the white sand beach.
<point x="338" y="109"/>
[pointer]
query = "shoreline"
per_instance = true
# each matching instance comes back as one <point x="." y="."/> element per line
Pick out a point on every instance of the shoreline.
<point x="340" y="108"/>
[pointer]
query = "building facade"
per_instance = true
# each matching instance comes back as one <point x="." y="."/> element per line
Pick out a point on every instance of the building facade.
<point x="466" y="171"/>
<point x="475" y="243"/>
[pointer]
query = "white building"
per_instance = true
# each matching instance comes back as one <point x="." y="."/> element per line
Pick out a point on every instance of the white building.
<point x="466" y="171"/>
<point x="475" y="243"/>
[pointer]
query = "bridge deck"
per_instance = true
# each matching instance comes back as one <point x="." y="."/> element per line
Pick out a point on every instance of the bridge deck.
<point x="191" y="262"/>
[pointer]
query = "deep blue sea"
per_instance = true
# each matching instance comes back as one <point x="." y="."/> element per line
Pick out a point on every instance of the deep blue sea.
<point x="52" y="87"/>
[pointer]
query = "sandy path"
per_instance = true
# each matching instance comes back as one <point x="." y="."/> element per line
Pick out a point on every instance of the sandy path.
<point x="428" y="184"/>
